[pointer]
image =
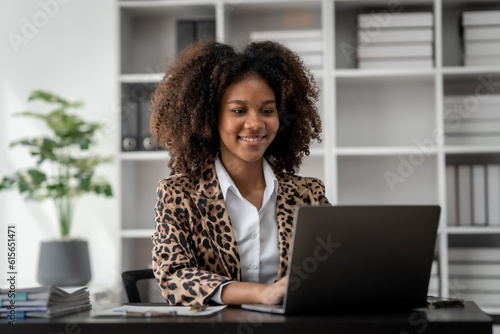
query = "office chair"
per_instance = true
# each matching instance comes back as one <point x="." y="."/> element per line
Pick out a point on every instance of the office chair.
<point x="141" y="286"/>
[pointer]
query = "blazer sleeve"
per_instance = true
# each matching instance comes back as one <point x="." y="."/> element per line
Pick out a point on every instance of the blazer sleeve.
<point x="174" y="261"/>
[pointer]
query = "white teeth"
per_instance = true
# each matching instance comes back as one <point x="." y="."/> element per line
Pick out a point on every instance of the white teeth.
<point x="252" y="140"/>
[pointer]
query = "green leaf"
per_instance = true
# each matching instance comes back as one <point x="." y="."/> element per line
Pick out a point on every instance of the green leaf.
<point x="52" y="98"/>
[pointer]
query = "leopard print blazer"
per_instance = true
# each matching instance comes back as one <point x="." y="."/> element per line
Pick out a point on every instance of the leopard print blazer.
<point x="195" y="248"/>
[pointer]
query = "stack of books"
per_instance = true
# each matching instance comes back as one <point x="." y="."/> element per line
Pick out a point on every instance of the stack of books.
<point x="43" y="302"/>
<point x="397" y="40"/>
<point x="308" y="44"/>
<point x="469" y="119"/>
<point x="481" y="37"/>
<point x="474" y="274"/>
<point x="473" y="195"/>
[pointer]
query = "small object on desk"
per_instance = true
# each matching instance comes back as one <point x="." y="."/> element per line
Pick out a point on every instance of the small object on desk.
<point x="198" y="308"/>
<point x="148" y="314"/>
<point x="442" y="302"/>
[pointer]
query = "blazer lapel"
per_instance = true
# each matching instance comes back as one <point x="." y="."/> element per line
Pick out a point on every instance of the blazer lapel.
<point x="210" y="202"/>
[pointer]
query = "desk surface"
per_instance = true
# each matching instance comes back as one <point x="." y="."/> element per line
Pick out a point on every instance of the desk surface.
<point x="469" y="319"/>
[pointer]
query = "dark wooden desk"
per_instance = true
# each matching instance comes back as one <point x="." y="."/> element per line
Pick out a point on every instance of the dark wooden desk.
<point x="237" y="321"/>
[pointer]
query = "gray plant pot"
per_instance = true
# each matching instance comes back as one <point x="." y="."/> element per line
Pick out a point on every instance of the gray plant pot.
<point x="64" y="263"/>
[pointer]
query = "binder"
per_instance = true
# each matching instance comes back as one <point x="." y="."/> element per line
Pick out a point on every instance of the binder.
<point x="189" y="31"/>
<point x="493" y="183"/>
<point x="450" y="195"/>
<point x="464" y="189"/>
<point x="479" y="195"/>
<point x="129" y="124"/>
<point x="146" y="142"/>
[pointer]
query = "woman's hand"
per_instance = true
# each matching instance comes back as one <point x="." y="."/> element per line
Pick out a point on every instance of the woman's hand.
<point x="273" y="294"/>
<point x="238" y="293"/>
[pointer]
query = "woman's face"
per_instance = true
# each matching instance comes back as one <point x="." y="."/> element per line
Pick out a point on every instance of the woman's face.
<point x="248" y="120"/>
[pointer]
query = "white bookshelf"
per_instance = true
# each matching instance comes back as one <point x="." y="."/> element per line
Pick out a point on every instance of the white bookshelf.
<point x="371" y="118"/>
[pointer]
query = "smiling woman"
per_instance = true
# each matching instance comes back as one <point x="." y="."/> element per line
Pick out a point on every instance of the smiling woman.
<point x="237" y="125"/>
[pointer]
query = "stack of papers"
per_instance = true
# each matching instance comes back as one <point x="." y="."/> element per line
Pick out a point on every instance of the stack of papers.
<point x="43" y="302"/>
<point x="155" y="310"/>
<point x="396" y="40"/>
<point x="481" y="37"/>
<point x="307" y="44"/>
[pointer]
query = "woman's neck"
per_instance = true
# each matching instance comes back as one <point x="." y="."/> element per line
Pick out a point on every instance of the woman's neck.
<point x="248" y="178"/>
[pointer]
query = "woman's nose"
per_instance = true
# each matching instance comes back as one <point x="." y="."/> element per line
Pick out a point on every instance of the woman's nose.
<point x="254" y="121"/>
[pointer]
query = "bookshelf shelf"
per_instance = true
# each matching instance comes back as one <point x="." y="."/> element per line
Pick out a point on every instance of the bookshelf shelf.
<point x="141" y="78"/>
<point x="473" y="230"/>
<point x="384" y="73"/>
<point x="470" y="71"/>
<point x="137" y="233"/>
<point x="374" y="120"/>
<point x="471" y="149"/>
<point x="382" y="151"/>
<point x="144" y="156"/>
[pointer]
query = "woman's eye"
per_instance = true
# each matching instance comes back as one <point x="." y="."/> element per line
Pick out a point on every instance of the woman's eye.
<point x="238" y="111"/>
<point x="267" y="111"/>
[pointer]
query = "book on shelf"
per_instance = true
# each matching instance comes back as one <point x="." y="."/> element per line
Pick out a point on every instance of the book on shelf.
<point x="474" y="274"/>
<point x="146" y="142"/>
<point x="464" y="189"/>
<point x="189" y="31"/>
<point x="481" y="18"/>
<point x="395" y="20"/>
<point x="306" y="34"/>
<point x="406" y="35"/>
<point x="473" y="194"/>
<point x="43" y="302"/>
<point x="308" y="44"/>
<point x="451" y="195"/>
<point x="488" y="33"/>
<point x="493" y="176"/>
<point x="129" y="125"/>
<point x="474" y="255"/>
<point x="482" y="60"/>
<point x="473" y="126"/>
<point x="409" y="50"/>
<point x="458" y="108"/>
<point x="414" y="63"/>
<point x="482" y="48"/>
<point x="474" y="270"/>
<point x="479" y="204"/>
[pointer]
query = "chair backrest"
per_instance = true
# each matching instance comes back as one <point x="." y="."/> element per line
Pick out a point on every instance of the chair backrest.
<point x="141" y="287"/>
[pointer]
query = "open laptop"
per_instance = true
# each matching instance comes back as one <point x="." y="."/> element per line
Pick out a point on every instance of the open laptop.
<point x="359" y="259"/>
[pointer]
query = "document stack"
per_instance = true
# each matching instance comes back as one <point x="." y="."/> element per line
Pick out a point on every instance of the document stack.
<point x="474" y="274"/>
<point x="481" y="38"/>
<point x="308" y="44"/>
<point x="397" y="40"/>
<point x="472" y="120"/>
<point x="43" y="302"/>
<point x="473" y="194"/>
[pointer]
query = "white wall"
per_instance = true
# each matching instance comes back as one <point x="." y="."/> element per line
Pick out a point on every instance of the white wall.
<point x="72" y="53"/>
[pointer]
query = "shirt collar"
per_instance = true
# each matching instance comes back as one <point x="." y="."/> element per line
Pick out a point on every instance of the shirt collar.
<point x="227" y="183"/>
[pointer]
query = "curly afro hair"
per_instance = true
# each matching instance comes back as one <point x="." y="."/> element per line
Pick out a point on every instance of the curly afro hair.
<point x="185" y="105"/>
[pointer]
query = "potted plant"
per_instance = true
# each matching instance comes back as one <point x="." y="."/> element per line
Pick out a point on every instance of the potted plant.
<point x="66" y="151"/>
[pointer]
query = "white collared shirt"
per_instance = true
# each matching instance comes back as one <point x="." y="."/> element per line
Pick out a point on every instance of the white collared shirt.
<point x="256" y="231"/>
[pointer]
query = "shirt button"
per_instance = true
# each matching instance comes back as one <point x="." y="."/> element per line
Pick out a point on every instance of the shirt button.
<point x="253" y="266"/>
<point x="255" y="235"/>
